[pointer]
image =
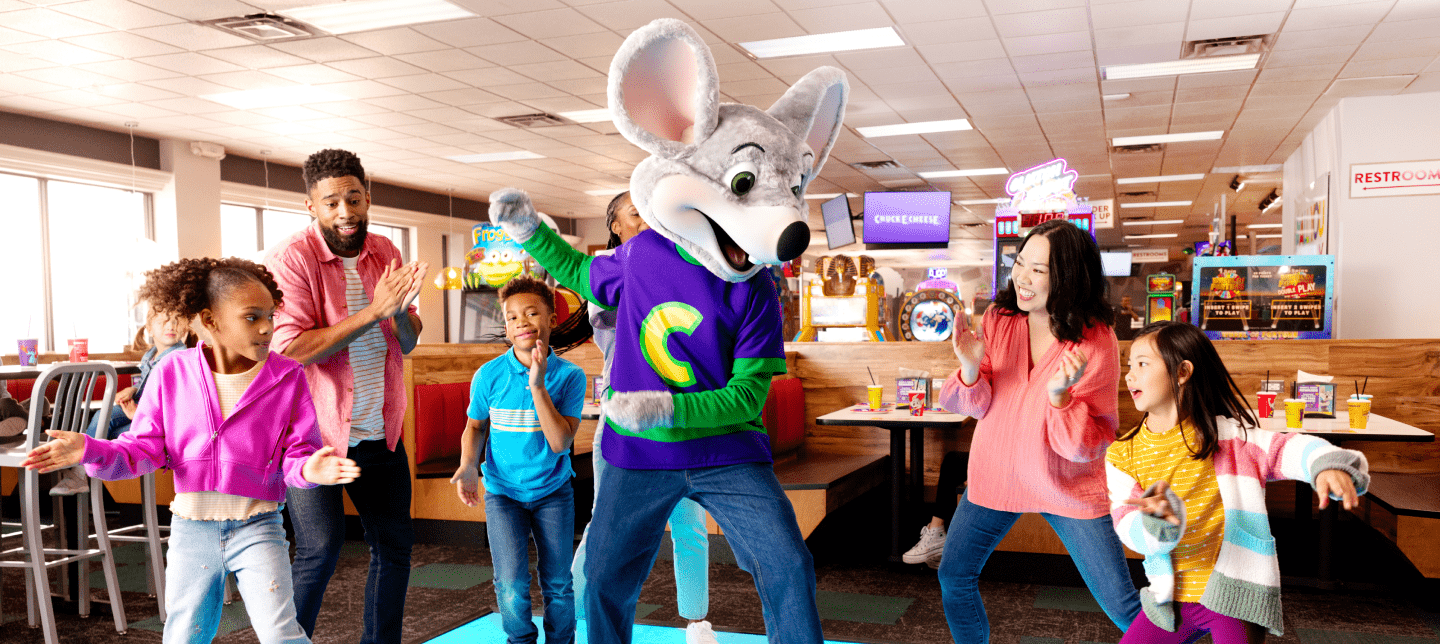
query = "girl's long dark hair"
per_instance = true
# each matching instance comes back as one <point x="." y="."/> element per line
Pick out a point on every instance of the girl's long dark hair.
<point x="1077" y="298"/>
<point x="611" y="212"/>
<point x="1209" y="392"/>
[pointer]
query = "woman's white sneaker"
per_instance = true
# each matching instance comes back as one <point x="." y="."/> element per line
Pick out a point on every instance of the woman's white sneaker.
<point x="932" y="543"/>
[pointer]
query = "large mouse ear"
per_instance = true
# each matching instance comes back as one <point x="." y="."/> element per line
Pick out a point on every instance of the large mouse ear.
<point x="664" y="92"/>
<point x="815" y="110"/>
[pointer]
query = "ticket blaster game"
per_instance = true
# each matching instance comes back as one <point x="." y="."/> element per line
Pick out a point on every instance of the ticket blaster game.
<point x="841" y="298"/>
<point x="1160" y="303"/>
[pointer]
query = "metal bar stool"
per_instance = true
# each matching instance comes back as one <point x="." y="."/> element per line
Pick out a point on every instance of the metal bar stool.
<point x="151" y="535"/>
<point x="76" y="385"/>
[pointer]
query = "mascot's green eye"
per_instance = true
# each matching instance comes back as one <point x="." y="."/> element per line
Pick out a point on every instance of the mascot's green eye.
<point x="742" y="183"/>
<point x="795" y="190"/>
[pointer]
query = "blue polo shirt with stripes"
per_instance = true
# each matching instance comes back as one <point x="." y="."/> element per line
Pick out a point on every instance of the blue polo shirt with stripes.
<point x="518" y="461"/>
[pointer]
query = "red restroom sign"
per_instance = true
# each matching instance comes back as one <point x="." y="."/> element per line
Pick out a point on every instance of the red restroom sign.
<point x="1399" y="178"/>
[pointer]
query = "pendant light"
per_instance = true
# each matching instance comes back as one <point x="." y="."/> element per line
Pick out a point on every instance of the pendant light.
<point x="449" y="278"/>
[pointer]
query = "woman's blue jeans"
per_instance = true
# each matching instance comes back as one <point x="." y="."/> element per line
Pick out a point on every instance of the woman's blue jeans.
<point x="509" y="525"/>
<point x="974" y="533"/>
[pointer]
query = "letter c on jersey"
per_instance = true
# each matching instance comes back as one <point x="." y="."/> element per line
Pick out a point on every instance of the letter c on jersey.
<point x="663" y="320"/>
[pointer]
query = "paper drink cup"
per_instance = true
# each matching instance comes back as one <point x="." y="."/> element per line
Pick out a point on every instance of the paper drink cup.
<point x="1359" y="412"/>
<point x="1294" y="413"/>
<point x="917" y="403"/>
<point x="29" y="353"/>
<point x="1267" y="403"/>
<point x="79" y="350"/>
<point x="875" y="395"/>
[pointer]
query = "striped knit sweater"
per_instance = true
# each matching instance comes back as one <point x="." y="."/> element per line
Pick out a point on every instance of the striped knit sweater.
<point x="1246" y="581"/>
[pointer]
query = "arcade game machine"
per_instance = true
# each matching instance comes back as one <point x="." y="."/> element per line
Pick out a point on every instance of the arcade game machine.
<point x="843" y="296"/>
<point x="1160" y="300"/>
<point x="1037" y="195"/>
<point x="929" y="314"/>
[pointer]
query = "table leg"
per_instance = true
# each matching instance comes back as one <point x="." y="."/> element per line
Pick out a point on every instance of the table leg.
<point x="897" y="483"/>
<point x="917" y="470"/>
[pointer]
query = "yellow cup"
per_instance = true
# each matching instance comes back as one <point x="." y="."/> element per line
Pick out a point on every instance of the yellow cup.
<point x="875" y="392"/>
<point x="1359" y="412"/>
<point x="1294" y="413"/>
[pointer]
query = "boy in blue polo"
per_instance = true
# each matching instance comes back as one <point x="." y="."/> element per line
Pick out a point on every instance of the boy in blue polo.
<point x="524" y="410"/>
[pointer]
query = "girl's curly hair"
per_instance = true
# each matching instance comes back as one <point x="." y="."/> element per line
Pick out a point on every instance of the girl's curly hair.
<point x="190" y="286"/>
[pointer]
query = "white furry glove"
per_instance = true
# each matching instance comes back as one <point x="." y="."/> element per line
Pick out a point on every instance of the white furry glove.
<point x="638" y="411"/>
<point x="510" y="208"/>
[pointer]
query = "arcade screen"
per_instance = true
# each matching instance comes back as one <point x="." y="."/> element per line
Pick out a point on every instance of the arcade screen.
<point x="1264" y="297"/>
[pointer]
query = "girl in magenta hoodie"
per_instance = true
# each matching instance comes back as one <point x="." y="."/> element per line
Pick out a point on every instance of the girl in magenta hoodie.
<point x="236" y="424"/>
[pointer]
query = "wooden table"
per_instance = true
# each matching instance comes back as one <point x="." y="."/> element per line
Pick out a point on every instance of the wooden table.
<point x="896" y="421"/>
<point x="1337" y="430"/>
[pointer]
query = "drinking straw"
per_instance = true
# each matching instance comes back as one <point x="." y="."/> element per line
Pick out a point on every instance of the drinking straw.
<point x="1366" y="385"/>
<point x="1357" y="387"/>
<point x="872" y="374"/>
<point x="1266" y="384"/>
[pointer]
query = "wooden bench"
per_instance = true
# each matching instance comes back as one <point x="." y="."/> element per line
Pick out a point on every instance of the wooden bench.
<point x="1405" y="508"/>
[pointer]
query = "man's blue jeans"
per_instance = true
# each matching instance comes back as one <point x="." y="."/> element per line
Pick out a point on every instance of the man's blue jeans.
<point x="509" y="524"/>
<point x="382" y="497"/>
<point x="747" y="502"/>
<point x="976" y="530"/>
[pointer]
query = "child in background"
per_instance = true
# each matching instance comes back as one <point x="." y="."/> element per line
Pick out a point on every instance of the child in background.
<point x="237" y="425"/>
<point x="524" y="410"/>
<point x="1187" y="490"/>
<point x="165" y="333"/>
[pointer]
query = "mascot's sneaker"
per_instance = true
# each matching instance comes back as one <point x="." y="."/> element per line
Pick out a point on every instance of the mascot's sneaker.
<point x="700" y="633"/>
<point x="932" y="544"/>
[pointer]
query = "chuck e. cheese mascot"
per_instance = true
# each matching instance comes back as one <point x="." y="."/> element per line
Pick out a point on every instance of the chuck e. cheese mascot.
<point x="698" y="329"/>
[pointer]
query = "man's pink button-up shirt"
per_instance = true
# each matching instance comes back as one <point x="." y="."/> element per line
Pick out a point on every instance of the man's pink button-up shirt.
<point x="313" y="281"/>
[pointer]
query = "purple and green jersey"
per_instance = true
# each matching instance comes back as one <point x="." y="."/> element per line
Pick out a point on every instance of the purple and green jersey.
<point x="711" y="343"/>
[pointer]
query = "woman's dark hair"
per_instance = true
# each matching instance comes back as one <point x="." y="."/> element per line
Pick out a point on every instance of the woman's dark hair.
<point x="190" y="286"/>
<point x="612" y="211"/>
<point x="1209" y="392"/>
<point x="331" y="163"/>
<point x="1077" y="298"/>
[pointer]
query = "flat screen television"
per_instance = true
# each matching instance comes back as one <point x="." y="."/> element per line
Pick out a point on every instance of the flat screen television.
<point x="907" y="220"/>
<point x="1116" y="264"/>
<point x="839" y="229"/>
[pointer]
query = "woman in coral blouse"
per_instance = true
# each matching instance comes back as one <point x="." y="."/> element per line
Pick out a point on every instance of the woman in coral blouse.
<point x="1042" y="378"/>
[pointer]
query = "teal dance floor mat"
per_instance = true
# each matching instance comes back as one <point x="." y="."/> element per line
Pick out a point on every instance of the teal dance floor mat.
<point x="487" y="629"/>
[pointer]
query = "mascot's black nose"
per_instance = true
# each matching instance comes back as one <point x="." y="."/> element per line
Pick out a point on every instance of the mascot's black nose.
<point x="793" y="241"/>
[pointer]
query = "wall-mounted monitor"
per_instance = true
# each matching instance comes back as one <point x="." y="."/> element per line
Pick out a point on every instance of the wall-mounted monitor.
<point x="1116" y="264"/>
<point x="839" y="229"/>
<point x="907" y="220"/>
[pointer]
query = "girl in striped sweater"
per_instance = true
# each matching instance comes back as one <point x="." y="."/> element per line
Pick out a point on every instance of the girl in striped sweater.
<point x="1187" y="491"/>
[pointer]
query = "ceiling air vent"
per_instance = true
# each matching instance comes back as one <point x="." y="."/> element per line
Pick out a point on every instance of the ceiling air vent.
<point x="264" y="27"/>
<point x="888" y="164"/>
<point x="532" y="120"/>
<point x="1232" y="46"/>
<point x="1138" y="149"/>
<point x="1138" y="193"/>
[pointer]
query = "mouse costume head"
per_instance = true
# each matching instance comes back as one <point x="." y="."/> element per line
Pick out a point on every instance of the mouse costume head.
<point x="725" y="182"/>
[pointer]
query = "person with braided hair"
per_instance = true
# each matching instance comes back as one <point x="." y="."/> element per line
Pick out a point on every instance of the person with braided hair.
<point x="236" y="424"/>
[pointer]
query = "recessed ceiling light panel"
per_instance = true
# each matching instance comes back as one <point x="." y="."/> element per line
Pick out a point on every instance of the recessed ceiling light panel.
<point x="601" y="115"/>
<point x="1161" y="178"/>
<point x="367" y="15"/>
<point x="1155" y="204"/>
<point x="1180" y="137"/>
<point x="1176" y="67"/>
<point x="825" y="43"/>
<point x="922" y="127"/>
<point x="518" y="155"/>
<point x="973" y="172"/>
<point x="253" y="99"/>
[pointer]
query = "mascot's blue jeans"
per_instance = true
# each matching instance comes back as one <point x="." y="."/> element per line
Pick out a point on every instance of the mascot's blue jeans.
<point x="747" y="502"/>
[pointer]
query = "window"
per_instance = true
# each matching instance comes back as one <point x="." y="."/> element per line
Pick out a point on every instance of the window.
<point x="248" y="231"/>
<point x="76" y="254"/>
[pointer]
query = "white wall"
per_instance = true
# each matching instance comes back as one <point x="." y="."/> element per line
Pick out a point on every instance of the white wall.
<point x="1385" y="247"/>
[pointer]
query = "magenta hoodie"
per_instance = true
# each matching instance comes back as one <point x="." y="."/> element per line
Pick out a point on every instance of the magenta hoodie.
<point x="255" y="453"/>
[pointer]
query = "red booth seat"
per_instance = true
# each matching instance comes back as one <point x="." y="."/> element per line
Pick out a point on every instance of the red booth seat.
<point x="20" y="389"/>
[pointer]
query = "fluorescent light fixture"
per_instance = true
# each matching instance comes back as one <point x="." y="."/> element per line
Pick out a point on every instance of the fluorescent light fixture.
<point x="607" y="192"/>
<point x="828" y="195"/>
<point x="275" y="97"/>
<point x="1153" y="222"/>
<point x="1168" y="138"/>
<point x="1268" y="236"/>
<point x="980" y="202"/>
<point x="1259" y="226"/>
<point x="518" y="155"/>
<point x="365" y="15"/>
<point x="1153" y="236"/>
<point x="1249" y="169"/>
<point x="1175" y="67"/>
<point x="1115" y="97"/>
<point x="973" y="172"/>
<point x="824" y="43"/>
<point x="1155" y="204"/>
<point x="601" y="115"/>
<point x="922" y="127"/>
<point x="1161" y="178"/>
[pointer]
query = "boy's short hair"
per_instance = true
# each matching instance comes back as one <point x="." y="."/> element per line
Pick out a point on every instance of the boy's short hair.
<point x="528" y="284"/>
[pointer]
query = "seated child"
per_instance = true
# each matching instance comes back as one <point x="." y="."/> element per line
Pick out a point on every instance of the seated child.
<point x="1187" y="490"/>
<point x="236" y="424"/>
<point x="524" y="410"/>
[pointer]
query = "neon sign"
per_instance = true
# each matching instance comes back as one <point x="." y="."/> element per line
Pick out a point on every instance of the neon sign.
<point x="1039" y="186"/>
